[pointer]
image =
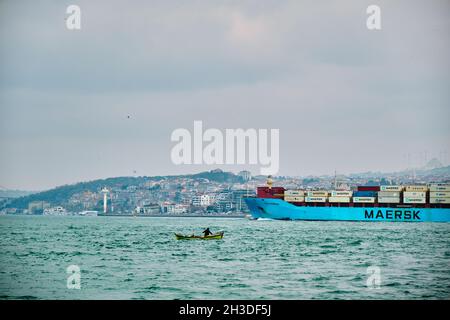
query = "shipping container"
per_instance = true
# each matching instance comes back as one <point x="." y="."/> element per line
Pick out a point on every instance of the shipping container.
<point x="391" y="188"/>
<point x="414" y="194"/>
<point x="339" y="199"/>
<point x="439" y="194"/>
<point x="368" y="188"/>
<point x="416" y="188"/>
<point x="317" y="193"/>
<point x="364" y="199"/>
<point x="435" y="188"/>
<point x="273" y="189"/>
<point x="365" y="194"/>
<point x="383" y="194"/>
<point x="316" y="199"/>
<point x="262" y="193"/>
<point x="294" y="193"/>
<point x="388" y="200"/>
<point x="439" y="200"/>
<point x="266" y="192"/>
<point x="414" y="200"/>
<point x="337" y="193"/>
<point x="294" y="199"/>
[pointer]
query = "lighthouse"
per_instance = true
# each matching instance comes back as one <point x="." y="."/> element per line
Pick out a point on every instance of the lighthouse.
<point x="105" y="200"/>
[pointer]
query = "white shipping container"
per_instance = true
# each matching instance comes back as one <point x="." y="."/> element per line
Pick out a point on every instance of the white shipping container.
<point x="294" y="199"/>
<point x="439" y="200"/>
<point x="294" y="193"/>
<point x="316" y="199"/>
<point x="317" y="193"/>
<point x="391" y="188"/>
<point x="337" y="193"/>
<point x="339" y="199"/>
<point x="439" y="188"/>
<point x="388" y="194"/>
<point x="414" y="194"/>
<point x="416" y="188"/>
<point x="388" y="199"/>
<point x="414" y="200"/>
<point x="364" y="199"/>
<point x="439" y="194"/>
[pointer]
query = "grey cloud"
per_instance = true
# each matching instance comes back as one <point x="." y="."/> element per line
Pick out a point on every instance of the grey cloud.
<point x="337" y="92"/>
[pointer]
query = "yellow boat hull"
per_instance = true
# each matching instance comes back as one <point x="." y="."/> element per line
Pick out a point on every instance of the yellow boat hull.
<point x="216" y="236"/>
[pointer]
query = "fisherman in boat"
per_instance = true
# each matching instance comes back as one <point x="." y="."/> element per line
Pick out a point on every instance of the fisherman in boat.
<point x="207" y="232"/>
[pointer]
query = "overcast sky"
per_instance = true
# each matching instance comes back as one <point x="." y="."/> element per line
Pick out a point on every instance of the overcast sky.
<point x="103" y="101"/>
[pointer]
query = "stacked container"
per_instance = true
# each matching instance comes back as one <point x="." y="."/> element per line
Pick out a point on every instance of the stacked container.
<point x="317" y="193"/>
<point x="365" y="196"/>
<point x="369" y="188"/>
<point x="340" y="196"/>
<point x="316" y="199"/>
<point x="266" y="192"/>
<point x="391" y="188"/>
<point x="316" y="196"/>
<point x="363" y="199"/>
<point x="414" y="197"/>
<point x="294" y="195"/>
<point x="389" y="194"/>
<point x="440" y="193"/>
<point x="416" y="188"/>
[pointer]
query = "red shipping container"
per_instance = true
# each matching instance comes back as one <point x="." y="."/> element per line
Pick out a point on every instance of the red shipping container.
<point x="368" y="188"/>
<point x="266" y="192"/>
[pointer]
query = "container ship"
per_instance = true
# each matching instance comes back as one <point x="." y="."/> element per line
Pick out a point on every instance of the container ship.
<point x="413" y="203"/>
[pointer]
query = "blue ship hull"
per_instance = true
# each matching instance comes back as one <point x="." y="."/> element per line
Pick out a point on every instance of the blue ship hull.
<point x="282" y="210"/>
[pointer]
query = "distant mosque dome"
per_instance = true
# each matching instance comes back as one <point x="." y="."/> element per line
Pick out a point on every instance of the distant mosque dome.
<point x="433" y="164"/>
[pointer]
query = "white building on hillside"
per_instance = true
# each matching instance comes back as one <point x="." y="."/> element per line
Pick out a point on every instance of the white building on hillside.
<point x="203" y="200"/>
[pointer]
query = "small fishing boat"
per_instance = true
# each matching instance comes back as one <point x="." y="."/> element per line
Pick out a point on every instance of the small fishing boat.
<point x="214" y="236"/>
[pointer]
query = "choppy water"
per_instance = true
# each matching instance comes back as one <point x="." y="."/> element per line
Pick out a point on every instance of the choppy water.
<point x="138" y="258"/>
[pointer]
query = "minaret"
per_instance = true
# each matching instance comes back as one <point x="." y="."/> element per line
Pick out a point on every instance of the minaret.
<point x="105" y="200"/>
<point x="335" y="180"/>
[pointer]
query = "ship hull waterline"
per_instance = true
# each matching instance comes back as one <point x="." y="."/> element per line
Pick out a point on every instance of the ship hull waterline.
<point x="279" y="209"/>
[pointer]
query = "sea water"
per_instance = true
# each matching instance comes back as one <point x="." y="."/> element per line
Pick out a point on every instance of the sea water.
<point x="139" y="258"/>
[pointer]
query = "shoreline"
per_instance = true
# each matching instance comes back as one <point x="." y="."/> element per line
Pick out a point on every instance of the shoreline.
<point x="171" y="216"/>
<point x="125" y="215"/>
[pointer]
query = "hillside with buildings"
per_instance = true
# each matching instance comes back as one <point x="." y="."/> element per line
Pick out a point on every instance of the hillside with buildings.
<point x="212" y="191"/>
<point x="207" y="193"/>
